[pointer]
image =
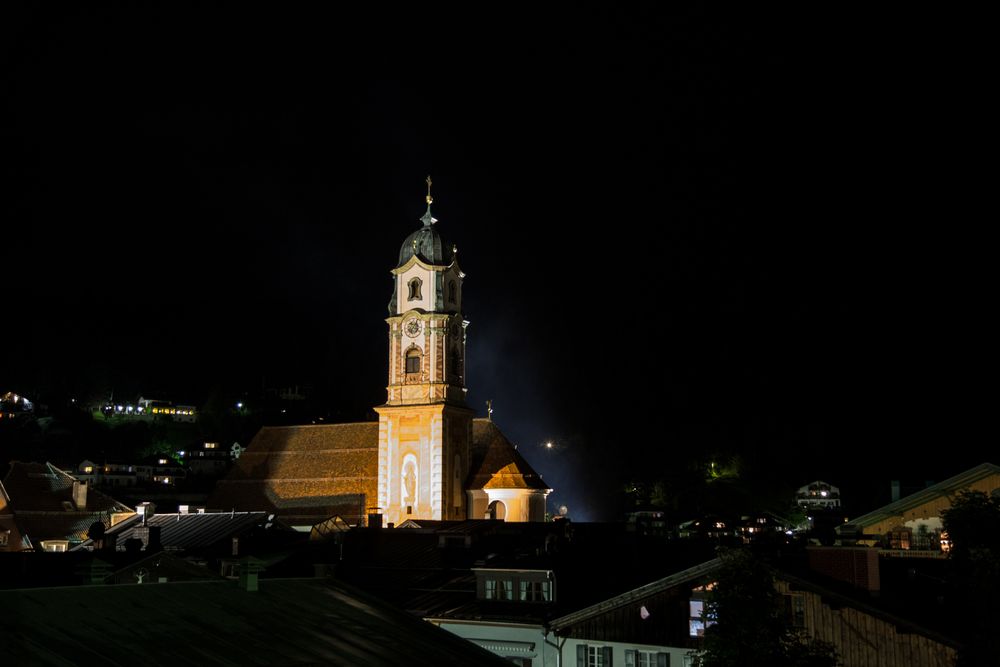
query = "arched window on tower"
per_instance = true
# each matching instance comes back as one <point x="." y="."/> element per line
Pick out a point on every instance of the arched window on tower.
<point x="414" y="284"/>
<point x="413" y="360"/>
<point x="452" y="292"/>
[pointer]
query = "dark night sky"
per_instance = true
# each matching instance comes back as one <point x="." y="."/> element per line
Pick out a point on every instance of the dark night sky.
<point x="680" y="231"/>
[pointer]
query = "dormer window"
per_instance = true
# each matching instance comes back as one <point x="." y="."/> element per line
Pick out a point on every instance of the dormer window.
<point x="413" y="360"/>
<point x="414" y="285"/>
<point x="516" y="586"/>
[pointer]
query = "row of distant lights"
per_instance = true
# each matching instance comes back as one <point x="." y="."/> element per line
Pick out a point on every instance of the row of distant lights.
<point x="139" y="410"/>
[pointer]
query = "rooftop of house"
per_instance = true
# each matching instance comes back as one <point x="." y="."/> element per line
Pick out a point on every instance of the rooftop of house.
<point x="183" y="532"/>
<point x="946" y="487"/>
<point x="299" y="621"/>
<point x="42" y="487"/>
<point x="432" y="572"/>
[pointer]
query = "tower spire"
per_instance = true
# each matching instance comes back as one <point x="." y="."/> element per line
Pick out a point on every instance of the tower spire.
<point x="427" y="218"/>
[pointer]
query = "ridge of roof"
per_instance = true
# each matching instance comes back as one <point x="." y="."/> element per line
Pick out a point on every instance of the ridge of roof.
<point x="684" y="576"/>
<point x="953" y="483"/>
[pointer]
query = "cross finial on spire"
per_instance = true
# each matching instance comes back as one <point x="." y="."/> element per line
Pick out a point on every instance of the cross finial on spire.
<point x="427" y="218"/>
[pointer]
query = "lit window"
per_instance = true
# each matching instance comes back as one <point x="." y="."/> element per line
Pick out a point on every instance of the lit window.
<point x="698" y="618"/>
<point x="413" y="361"/>
<point x="414" y="285"/>
<point x="163" y="462"/>
<point x="88" y="469"/>
<point x="900" y="539"/>
<point x="211" y="445"/>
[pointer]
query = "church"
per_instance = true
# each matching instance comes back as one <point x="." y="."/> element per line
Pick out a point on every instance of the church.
<point x="428" y="457"/>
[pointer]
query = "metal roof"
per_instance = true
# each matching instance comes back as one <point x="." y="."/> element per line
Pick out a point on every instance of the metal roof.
<point x="191" y="531"/>
<point x="285" y="622"/>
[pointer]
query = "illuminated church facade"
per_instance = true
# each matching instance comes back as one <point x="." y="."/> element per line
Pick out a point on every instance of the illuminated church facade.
<point x="428" y="457"/>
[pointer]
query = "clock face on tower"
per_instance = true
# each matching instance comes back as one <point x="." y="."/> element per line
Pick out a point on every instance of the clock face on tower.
<point x="413" y="328"/>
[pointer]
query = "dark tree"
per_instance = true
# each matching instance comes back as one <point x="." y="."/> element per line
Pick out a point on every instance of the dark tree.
<point x="749" y="625"/>
<point x="973" y="526"/>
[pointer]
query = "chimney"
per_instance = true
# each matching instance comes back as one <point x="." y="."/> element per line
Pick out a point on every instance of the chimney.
<point x="895" y="490"/>
<point x="250" y="568"/>
<point x="145" y="510"/>
<point x="375" y="520"/>
<point x="79" y="495"/>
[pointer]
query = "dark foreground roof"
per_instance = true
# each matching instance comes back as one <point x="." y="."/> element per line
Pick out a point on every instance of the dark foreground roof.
<point x="286" y="622"/>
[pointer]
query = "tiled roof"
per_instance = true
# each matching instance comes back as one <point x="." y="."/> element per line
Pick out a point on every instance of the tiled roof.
<point x="41" y="497"/>
<point x="7" y="524"/>
<point x="304" y="472"/>
<point x="496" y="464"/>
<point x="72" y="526"/>
<point x="41" y="487"/>
<point x="310" y="473"/>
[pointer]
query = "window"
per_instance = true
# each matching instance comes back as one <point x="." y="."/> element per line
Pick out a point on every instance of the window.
<point x="3" y="538"/>
<point x="496" y="510"/>
<point x="795" y="610"/>
<point x="499" y="589"/>
<point x="413" y="361"/>
<point x="639" y="658"/>
<point x="414" y="285"/>
<point x="593" y="656"/>
<point x="900" y="539"/>
<point x="535" y="591"/>
<point x="698" y="617"/>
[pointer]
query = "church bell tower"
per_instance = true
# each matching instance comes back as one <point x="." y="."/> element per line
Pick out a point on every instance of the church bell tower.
<point x="425" y="428"/>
